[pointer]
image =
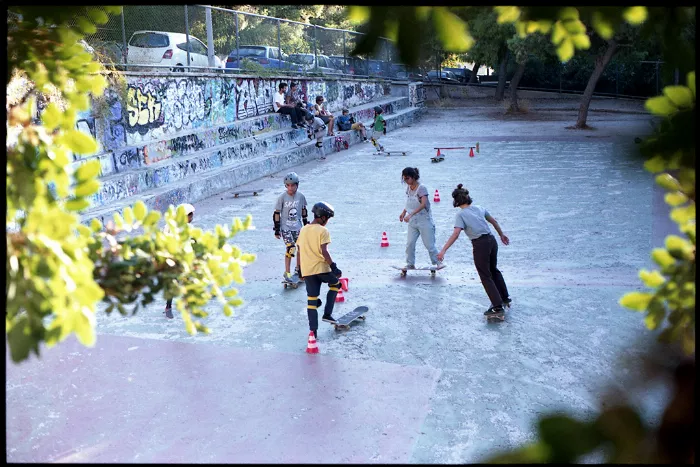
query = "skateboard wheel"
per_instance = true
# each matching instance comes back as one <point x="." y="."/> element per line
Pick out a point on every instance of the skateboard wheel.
<point x="361" y="317"/>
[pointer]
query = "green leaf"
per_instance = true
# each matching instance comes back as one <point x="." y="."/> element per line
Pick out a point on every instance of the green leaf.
<point x="668" y="182"/>
<point x="635" y="15"/>
<point x="77" y="204"/>
<point x="21" y="340"/>
<point x="565" y="50"/>
<point x="228" y="311"/>
<point x="651" y="279"/>
<point x="97" y="16"/>
<point x="581" y="41"/>
<point x="691" y="82"/>
<point x="675" y="243"/>
<point x="358" y="14"/>
<point x="118" y="220"/>
<point x="660" y="105"/>
<point x="662" y="257"/>
<point x="84" y="230"/>
<point x="602" y="26"/>
<point x="681" y="96"/>
<point x="128" y="215"/>
<point x="559" y="33"/>
<point x="152" y="218"/>
<point x="95" y="225"/>
<point x="675" y="199"/>
<point x="140" y="210"/>
<point x="85" y="25"/>
<point x="84" y="327"/>
<point x="79" y="142"/>
<point x="568" y="14"/>
<point x="637" y="301"/>
<point x="88" y="170"/>
<point x="656" y="164"/>
<point x="87" y="188"/>
<point x="52" y="116"/>
<point x="683" y="215"/>
<point x="507" y="14"/>
<point x="452" y="30"/>
<point x="652" y="320"/>
<point x="568" y="438"/>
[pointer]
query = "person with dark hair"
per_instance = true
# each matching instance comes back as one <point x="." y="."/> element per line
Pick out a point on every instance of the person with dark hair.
<point x="281" y="107"/>
<point x="419" y="218"/>
<point x="378" y="127"/>
<point x="317" y="266"/>
<point x="294" y="97"/>
<point x="472" y="219"/>
<point x="324" y="115"/>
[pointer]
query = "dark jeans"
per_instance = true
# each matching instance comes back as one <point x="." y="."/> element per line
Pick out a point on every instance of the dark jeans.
<point x="485" y="259"/>
<point x="296" y="114"/>
<point x="169" y="303"/>
<point x="313" y="290"/>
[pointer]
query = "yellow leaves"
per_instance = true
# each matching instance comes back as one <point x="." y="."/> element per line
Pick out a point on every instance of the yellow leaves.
<point x="680" y="96"/>
<point x="651" y="279"/>
<point x="679" y="247"/>
<point x="152" y="218"/>
<point x="637" y="301"/>
<point x="662" y="257"/>
<point x="358" y="14"/>
<point x="602" y="26"/>
<point x="635" y="15"/>
<point x="507" y="14"/>
<point x="88" y="171"/>
<point x="452" y="30"/>
<point x="655" y="164"/>
<point x="691" y="82"/>
<point x="79" y="142"/>
<point x="51" y="117"/>
<point x="675" y="199"/>
<point x="77" y="204"/>
<point x="87" y="188"/>
<point x="95" y="225"/>
<point x="660" y="105"/>
<point x="140" y="210"/>
<point x="565" y="50"/>
<point x="683" y="215"/>
<point x="668" y="182"/>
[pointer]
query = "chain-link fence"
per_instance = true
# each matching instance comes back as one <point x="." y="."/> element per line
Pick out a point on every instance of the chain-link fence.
<point x="197" y="37"/>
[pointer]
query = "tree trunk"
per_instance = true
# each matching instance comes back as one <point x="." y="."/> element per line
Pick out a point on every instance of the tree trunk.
<point x="601" y="62"/>
<point x="514" y="87"/>
<point x="475" y="70"/>
<point x="502" y="67"/>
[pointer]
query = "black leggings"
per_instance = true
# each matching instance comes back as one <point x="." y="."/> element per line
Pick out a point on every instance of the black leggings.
<point x="485" y="259"/>
<point x="296" y="113"/>
<point x="313" y="290"/>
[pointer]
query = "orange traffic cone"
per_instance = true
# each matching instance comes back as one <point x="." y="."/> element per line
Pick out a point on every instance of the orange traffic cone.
<point x="471" y="152"/>
<point x="385" y="241"/>
<point x="312" y="347"/>
<point x="344" y="282"/>
<point x="436" y="198"/>
<point x="477" y="147"/>
<point x="340" y="297"/>
<point x="438" y="153"/>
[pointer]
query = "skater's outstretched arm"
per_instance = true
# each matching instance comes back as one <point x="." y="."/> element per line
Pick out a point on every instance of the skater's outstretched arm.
<point x="493" y="222"/>
<point x="448" y="243"/>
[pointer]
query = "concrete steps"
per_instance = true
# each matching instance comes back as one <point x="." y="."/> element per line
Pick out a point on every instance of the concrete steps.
<point x="206" y="172"/>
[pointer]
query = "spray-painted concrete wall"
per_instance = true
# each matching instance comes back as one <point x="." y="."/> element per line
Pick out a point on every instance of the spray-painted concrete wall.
<point x="153" y="112"/>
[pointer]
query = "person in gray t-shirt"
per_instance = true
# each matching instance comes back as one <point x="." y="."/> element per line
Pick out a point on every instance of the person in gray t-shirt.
<point x="289" y="217"/>
<point x="419" y="218"/>
<point x="472" y="219"/>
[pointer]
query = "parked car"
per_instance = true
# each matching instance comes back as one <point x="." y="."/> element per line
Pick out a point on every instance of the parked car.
<point x="267" y="56"/>
<point x="443" y="76"/>
<point x="462" y="74"/>
<point x="322" y="64"/>
<point x="166" y="48"/>
<point x="341" y="63"/>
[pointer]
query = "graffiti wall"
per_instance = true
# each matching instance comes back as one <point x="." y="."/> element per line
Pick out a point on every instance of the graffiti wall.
<point x="416" y="94"/>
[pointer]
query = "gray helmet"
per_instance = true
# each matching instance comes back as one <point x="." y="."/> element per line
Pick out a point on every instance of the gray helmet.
<point x="377" y="109"/>
<point x="291" y="177"/>
<point x="323" y="209"/>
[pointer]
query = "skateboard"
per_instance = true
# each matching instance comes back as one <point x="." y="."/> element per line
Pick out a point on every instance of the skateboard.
<point x="499" y="316"/>
<point x="390" y="153"/>
<point x="437" y="159"/>
<point x="345" y="320"/>
<point x="291" y="284"/>
<point x="432" y="269"/>
<point x="246" y="192"/>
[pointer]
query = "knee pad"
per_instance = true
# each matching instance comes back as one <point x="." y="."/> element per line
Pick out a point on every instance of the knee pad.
<point x="291" y="250"/>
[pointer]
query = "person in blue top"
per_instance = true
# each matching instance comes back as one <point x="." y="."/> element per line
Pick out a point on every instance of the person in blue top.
<point x="472" y="219"/>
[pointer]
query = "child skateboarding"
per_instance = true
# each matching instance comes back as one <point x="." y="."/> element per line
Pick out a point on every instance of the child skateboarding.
<point x="317" y="129"/>
<point x="419" y="218"/>
<point x="472" y="219"/>
<point x="290" y="213"/>
<point x="317" y="266"/>
<point x="378" y="128"/>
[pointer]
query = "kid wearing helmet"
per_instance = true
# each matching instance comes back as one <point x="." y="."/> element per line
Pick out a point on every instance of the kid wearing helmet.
<point x="290" y="213"/>
<point x="317" y="129"/>
<point x="317" y="266"/>
<point x="378" y="128"/>
<point x="189" y="210"/>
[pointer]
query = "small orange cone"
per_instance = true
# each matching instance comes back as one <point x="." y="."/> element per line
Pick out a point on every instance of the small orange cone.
<point x="312" y="347"/>
<point x="340" y="297"/>
<point x="344" y="282"/>
<point x="436" y="198"/>
<point x="438" y="153"/>
<point x="471" y="152"/>
<point x="385" y="241"/>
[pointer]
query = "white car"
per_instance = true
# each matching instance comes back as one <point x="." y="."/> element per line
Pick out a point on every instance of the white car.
<point x="167" y="49"/>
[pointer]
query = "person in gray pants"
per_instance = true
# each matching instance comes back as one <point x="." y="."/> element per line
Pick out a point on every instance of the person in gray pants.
<point x="472" y="219"/>
<point x="419" y="218"/>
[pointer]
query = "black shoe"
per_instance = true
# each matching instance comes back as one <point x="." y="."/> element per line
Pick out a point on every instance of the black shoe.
<point x="319" y="303"/>
<point x="319" y="145"/>
<point x="169" y="313"/>
<point x="315" y="336"/>
<point x="507" y="302"/>
<point x="494" y="311"/>
<point x="295" y="127"/>
<point x="329" y="319"/>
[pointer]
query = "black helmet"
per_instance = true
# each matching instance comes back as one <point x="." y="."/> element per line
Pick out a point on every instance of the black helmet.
<point x="323" y="209"/>
<point x="377" y="109"/>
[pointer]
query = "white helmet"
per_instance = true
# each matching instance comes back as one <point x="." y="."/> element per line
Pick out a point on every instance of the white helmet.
<point x="189" y="209"/>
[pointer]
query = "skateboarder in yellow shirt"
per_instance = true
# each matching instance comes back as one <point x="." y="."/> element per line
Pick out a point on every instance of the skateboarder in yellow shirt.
<point x="317" y="266"/>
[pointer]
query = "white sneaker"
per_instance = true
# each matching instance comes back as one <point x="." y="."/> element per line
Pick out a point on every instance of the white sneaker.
<point x="409" y="266"/>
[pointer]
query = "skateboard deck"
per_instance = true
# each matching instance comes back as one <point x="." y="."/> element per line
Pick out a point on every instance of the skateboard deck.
<point x="432" y="269"/>
<point x="500" y="316"/>
<point x="291" y="284"/>
<point x="246" y="192"/>
<point x="391" y="153"/>
<point x="437" y="159"/>
<point x="345" y="320"/>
